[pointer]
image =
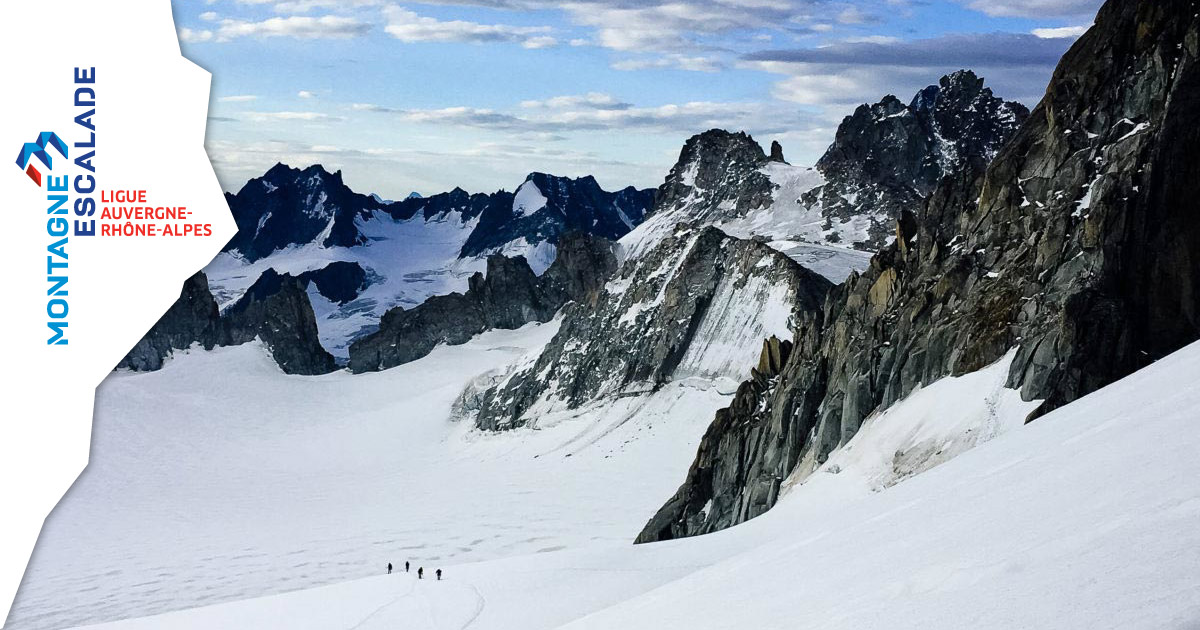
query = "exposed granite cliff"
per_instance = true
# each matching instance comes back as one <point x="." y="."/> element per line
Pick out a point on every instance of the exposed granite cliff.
<point x="685" y="308"/>
<point x="275" y="309"/>
<point x="192" y="319"/>
<point x="1078" y="248"/>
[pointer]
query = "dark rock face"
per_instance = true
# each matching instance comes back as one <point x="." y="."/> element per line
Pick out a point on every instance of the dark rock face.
<point x="1080" y="254"/>
<point x="340" y="281"/>
<point x="192" y="319"/>
<point x="582" y="264"/>
<point x="570" y="205"/>
<point x="508" y="296"/>
<point x="288" y="206"/>
<point x="652" y="323"/>
<point x="777" y="152"/>
<point x="276" y="309"/>
<point x="718" y="176"/>
<point x="890" y="156"/>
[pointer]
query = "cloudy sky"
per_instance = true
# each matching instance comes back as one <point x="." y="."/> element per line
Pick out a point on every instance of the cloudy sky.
<point x="476" y="93"/>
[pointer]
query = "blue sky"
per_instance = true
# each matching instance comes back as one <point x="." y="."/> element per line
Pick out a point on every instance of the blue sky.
<point x="477" y="93"/>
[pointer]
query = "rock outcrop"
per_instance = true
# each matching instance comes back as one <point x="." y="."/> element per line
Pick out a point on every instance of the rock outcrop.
<point x="276" y="310"/>
<point x="508" y="296"/>
<point x="192" y="319"/>
<point x="686" y="308"/>
<point x="1077" y="248"/>
<point x="339" y="281"/>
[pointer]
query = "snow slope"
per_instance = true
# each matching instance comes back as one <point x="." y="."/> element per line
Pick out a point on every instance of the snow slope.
<point x="220" y="478"/>
<point x="1083" y="519"/>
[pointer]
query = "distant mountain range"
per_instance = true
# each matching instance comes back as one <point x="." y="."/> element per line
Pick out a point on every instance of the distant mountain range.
<point x="361" y="259"/>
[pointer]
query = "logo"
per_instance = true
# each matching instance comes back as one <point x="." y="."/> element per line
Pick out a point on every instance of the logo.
<point x="38" y="150"/>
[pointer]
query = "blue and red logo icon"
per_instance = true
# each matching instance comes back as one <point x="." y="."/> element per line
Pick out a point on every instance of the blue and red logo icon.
<point x="38" y="150"/>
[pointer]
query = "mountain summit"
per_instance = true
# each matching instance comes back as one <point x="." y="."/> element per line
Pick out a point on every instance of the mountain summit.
<point x="890" y="156"/>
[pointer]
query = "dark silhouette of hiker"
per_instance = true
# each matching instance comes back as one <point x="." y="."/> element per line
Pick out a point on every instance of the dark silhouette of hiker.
<point x="439" y="574"/>
<point x="389" y="568"/>
<point x="421" y="573"/>
<point x="406" y="566"/>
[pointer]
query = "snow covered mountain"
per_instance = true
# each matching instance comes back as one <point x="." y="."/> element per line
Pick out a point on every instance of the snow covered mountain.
<point x="707" y="276"/>
<point x="865" y="423"/>
<point x="889" y="156"/>
<point x="1076" y="248"/>
<point x="508" y="296"/>
<point x="885" y="158"/>
<point x="360" y="256"/>
<point x="375" y="254"/>
<point x="289" y="207"/>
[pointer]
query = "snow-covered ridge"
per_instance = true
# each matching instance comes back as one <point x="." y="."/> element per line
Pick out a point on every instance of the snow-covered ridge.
<point x="301" y="220"/>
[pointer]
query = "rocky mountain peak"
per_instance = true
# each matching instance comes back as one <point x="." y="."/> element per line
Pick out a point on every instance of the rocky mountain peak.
<point x="717" y="172"/>
<point x="889" y="156"/>
<point x="545" y="207"/>
<point x="289" y="206"/>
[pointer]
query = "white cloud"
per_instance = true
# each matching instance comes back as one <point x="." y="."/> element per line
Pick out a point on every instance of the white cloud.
<point x="300" y="27"/>
<point x="410" y="27"/>
<point x="209" y="16"/>
<point x="292" y="116"/>
<point x="672" y="61"/>
<point x="566" y="114"/>
<point x="1072" y="32"/>
<point x="304" y="6"/>
<point x="1035" y="8"/>
<point x="1016" y="65"/>
<point x="872" y="39"/>
<point x="306" y="94"/>
<point x="191" y="36"/>
<point x="855" y="15"/>
<point x="539" y="42"/>
<point x="591" y="100"/>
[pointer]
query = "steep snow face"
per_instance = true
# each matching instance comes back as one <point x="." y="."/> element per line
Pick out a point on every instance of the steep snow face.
<point x="529" y="199"/>
<point x="1045" y="526"/>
